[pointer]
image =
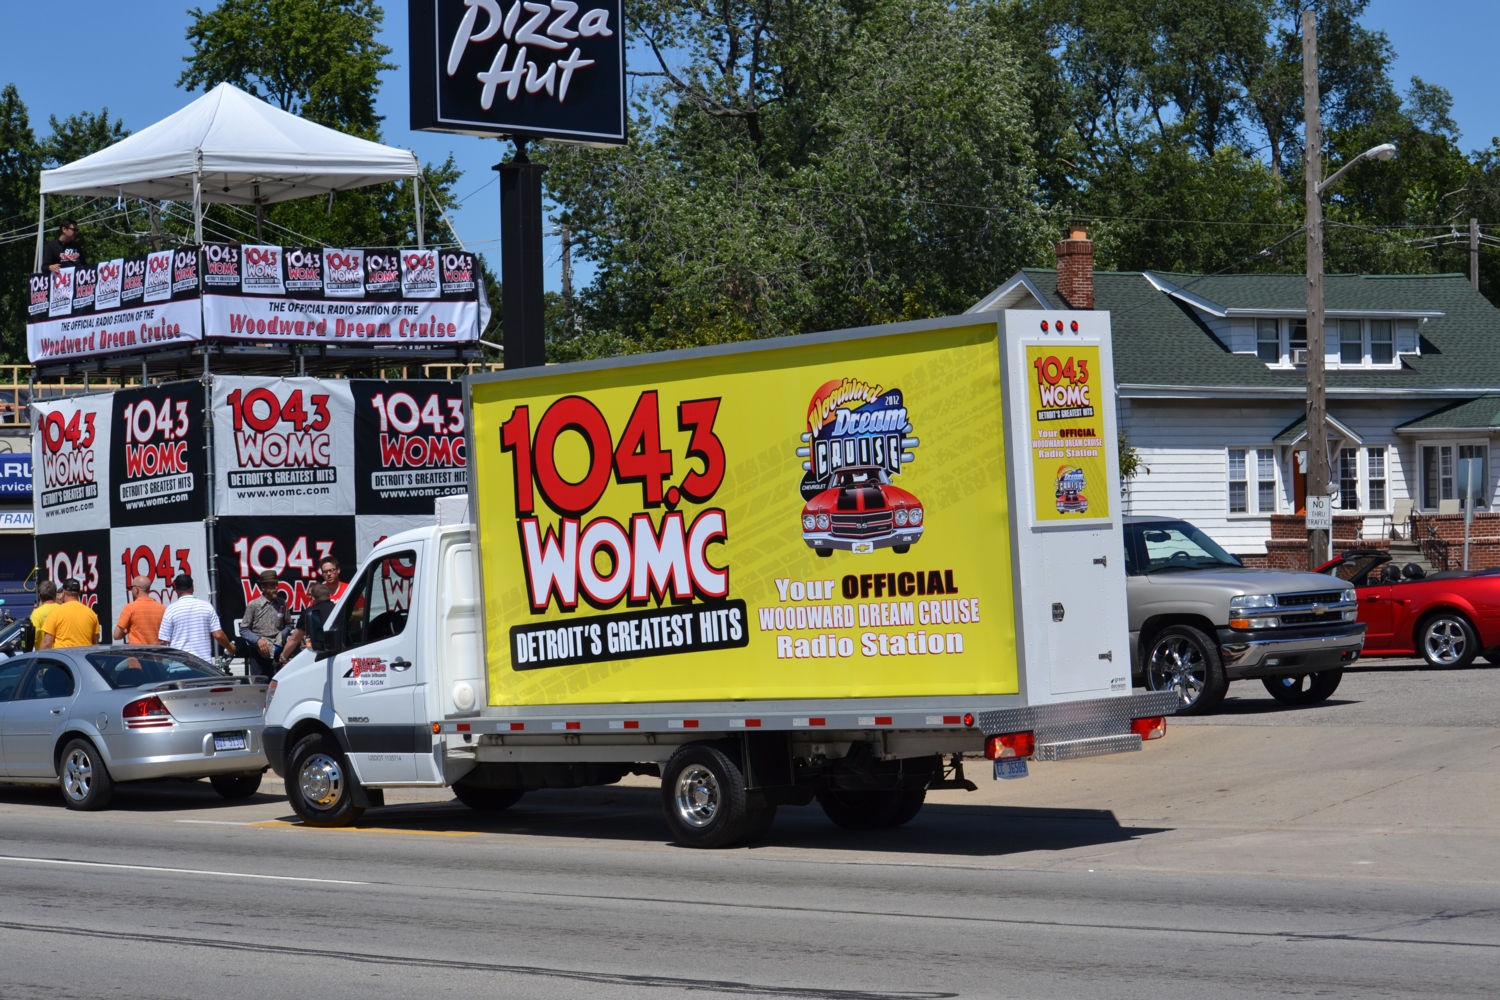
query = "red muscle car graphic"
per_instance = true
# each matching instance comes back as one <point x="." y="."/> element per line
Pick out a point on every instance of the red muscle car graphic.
<point x="862" y="512"/>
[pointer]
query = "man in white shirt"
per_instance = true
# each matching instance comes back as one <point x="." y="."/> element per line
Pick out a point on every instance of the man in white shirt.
<point x="192" y="625"/>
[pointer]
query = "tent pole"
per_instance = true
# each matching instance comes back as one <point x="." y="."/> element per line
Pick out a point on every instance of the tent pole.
<point x="416" y="197"/>
<point x="198" y="207"/>
<point x="41" y="230"/>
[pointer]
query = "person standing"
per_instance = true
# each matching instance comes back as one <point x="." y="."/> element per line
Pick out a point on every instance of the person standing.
<point x="140" y="622"/>
<point x="46" y="603"/>
<point x="190" y="624"/>
<point x="329" y="567"/>
<point x="72" y="624"/>
<point x="65" y="251"/>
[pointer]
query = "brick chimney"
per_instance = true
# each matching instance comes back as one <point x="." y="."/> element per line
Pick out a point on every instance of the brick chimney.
<point x="1075" y="268"/>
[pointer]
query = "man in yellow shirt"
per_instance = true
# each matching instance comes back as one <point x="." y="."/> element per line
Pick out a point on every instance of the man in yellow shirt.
<point x="73" y="623"/>
<point x="46" y="603"/>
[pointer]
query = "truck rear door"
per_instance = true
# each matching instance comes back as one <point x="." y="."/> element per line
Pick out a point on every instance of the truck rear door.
<point x="376" y="688"/>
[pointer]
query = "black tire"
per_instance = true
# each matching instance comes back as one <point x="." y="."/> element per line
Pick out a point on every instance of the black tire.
<point x="236" y="786"/>
<point x="911" y="801"/>
<point x="758" y="824"/>
<point x="1304" y="689"/>
<point x="860" y="810"/>
<point x="83" y="776"/>
<point x="824" y="552"/>
<point x="487" y="799"/>
<point x="703" y="796"/>
<point x="901" y="550"/>
<point x="1184" y="659"/>
<point x="1492" y="656"/>
<point x="1446" y="640"/>
<point x="320" y="782"/>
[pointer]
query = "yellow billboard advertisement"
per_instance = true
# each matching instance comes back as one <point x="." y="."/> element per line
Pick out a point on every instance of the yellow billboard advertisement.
<point x="829" y="520"/>
<point x="1069" y="465"/>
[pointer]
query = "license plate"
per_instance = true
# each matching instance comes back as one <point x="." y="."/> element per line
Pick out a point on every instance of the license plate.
<point x="1014" y="767"/>
<point x="236" y="741"/>
<point x="862" y="548"/>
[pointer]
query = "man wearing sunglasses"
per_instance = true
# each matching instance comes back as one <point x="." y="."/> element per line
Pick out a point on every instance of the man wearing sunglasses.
<point x="64" y="251"/>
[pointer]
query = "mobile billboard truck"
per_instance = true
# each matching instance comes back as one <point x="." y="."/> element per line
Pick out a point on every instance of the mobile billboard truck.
<point x="825" y="566"/>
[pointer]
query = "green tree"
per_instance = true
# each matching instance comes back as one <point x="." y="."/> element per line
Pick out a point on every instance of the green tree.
<point x="20" y="164"/>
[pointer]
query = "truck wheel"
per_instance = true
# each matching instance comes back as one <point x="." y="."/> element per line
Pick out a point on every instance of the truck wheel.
<point x="487" y="799"/>
<point x="1446" y="639"/>
<point x="911" y="801"/>
<point x="320" y="782"/>
<point x="861" y="810"/>
<point x="86" y="783"/>
<point x="703" y="795"/>
<point x="235" y="786"/>
<point x="1307" y="689"/>
<point x="1184" y="660"/>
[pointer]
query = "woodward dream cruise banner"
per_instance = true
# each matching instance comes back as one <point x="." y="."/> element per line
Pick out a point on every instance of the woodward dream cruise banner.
<point x="253" y="292"/>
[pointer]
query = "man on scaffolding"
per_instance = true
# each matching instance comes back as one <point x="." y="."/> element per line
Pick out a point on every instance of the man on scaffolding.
<point x="65" y="251"/>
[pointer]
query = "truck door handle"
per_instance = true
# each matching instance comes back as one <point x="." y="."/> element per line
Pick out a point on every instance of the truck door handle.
<point x="1102" y="561"/>
<point x="399" y="664"/>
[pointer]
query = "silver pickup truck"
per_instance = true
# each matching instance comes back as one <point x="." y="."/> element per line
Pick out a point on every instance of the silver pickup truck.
<point x="1199" y="619"/>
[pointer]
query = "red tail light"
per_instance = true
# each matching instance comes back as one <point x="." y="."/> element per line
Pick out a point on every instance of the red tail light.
<point x="146" y="713"/>
<point x="1010" y="745"/>
<point x="1149" y="729"/>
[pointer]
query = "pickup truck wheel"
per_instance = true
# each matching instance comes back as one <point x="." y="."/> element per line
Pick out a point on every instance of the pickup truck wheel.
<point x="320" y="782"/>
<point x="235" y="786"/>
<point x="703" y="796"/>
<point x="1185" y="660"/>
<point x="1306" y="689"/>
<point x="1446" y="639"/>
<point x="85" y="781"/>
<point x="861" y="810"/>
<point x="487" y="799"/>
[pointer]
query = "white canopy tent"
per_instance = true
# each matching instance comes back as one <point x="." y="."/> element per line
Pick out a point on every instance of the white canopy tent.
<point x="232" y="148"/>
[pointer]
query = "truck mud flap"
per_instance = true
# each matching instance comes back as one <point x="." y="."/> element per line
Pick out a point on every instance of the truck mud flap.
<point x="1074" y="729"/>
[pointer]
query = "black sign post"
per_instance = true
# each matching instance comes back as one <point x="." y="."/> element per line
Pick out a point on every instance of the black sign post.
<point x="523" y="71"/>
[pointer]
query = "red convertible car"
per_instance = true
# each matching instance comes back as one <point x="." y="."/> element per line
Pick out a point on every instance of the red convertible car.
<point x="1446" y="618"/>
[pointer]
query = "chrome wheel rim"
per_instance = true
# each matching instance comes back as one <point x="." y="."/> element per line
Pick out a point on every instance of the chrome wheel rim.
<point x="1445" y="641"/>
<point x="1177" y="664"/>
<point x="321" y="781"/>
<point x="78" y="775"/>
<point x="697" y="795"/>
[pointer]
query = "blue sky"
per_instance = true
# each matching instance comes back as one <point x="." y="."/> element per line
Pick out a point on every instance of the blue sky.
<point x="128" y="57"/>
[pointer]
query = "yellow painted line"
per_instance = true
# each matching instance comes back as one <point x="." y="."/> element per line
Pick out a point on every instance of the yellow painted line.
<point x="367" y="829"/>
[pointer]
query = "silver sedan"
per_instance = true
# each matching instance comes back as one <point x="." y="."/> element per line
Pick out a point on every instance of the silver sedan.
<point x="88" y="717"/>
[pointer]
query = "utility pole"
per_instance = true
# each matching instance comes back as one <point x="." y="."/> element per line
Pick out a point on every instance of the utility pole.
<point x="1474" y="253"/>
<point x="567" y="266"/>
<point x="1317" y="412"/>
<point x="523" y="315"/>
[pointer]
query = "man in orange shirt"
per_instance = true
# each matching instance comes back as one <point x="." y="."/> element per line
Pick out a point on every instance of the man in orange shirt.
<point x="141" y="619"/>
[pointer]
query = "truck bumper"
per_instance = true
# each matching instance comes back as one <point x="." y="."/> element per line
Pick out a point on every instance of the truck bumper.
<point x="273" y="738"/>
<point x="1071" y="730"/>
<point x="1245" y="655"/>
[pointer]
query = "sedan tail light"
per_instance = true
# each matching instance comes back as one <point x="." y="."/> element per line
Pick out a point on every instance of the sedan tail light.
<point x="146" y="713"/>
<point x="1010" y="745"/>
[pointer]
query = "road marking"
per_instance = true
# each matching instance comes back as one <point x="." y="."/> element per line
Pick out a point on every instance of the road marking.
<point x="212" y="822"/>
<point x="178" y="871"/>
<point x="365" y="829"/>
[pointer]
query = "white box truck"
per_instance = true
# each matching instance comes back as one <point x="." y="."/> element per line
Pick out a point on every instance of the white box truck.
<point x="818" y="567"/>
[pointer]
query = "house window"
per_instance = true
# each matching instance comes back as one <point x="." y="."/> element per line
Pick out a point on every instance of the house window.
<point x="1382" y="347"/>
<point x="1297" y="339"/>
<point x="1351" y="342"/>
<point x="1268" y="341"/>
<point x="1266" y="476"/>
<point x="1437" y="475"/>
<point x="1238" y="485"/>
<point x="1375" y="459"/>
<point x="1474" y="452"/>
<point x="1348" y="479"/>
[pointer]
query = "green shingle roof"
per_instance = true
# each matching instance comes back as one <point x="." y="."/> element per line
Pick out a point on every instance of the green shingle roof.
<point x="1158" y="340"/>
<point x="1481" y="412"/>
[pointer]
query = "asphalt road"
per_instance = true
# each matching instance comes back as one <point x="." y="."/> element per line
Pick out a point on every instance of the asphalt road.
<point x="1341" y="850"/>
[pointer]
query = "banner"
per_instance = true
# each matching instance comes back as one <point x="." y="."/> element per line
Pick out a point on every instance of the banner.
<point x="333" y="296"/>
<point x="15" y="476"/>
<point x="408" y="444"/>
<point x="70" y="446"/>
<point x="1069" y="466"/>
<point x="159" y="552"/>
<point x="125" y="304"/>
<point x="797" y="522"/>
<point x="283" y="446"/>
<point x="291" y="547"/>
<point x="83" y="556"/>
<point x="372" y="529"/>
<point x="158" y="463"/>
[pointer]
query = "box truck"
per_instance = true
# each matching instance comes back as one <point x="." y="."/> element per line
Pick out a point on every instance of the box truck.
<point x="824" y="566"/>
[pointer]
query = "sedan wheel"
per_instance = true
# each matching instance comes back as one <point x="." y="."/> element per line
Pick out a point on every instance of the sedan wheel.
<point x="1185" y="660"/>
<point x="85" y="781"/>
<point x="1447" y="640"/>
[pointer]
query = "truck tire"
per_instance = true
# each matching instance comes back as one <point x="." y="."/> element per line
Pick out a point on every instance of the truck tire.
<point x="236" y="786"/>
<point x="85" y="781"/>
<point x="911" y="801"/>
<point x="1445" y="639"/>
<point x="320" y="782"/>
<point x="487" y="799"/>
<point x="862" y="810"/>
<point x="1306" y="689"/>
<point x="1182" y="658"/>
<point x="703" y="796"/>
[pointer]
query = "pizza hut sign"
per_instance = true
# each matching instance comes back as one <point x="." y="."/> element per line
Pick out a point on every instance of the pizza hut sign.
<point x="538" y="69"/>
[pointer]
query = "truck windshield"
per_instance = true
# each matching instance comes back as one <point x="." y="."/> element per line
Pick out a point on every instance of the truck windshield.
<point x="1177" y="545"/>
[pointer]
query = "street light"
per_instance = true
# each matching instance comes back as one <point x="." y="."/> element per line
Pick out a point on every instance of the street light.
<point x="1317" y="411"/>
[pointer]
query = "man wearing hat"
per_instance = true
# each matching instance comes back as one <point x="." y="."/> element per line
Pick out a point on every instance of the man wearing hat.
<point x="264" y="619"/>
